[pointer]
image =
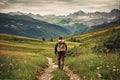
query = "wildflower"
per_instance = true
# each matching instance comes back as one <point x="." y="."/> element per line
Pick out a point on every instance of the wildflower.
<point x="84" y="77"/>
<point x="118" y="69"/>
<point x="25" y="61"/>
<point x="99" y="75"/>
<point x="100" y="56"/>
<point x="10" y="64"/>
<point x="98" y="68"/>
<point x="114" y="66"/>
<point x="91" y="61"/>
<point x="19" y="69"/>
<point x="102" y="62"/>
<point x="114" y="70"/>
<point x="1" y="65"/>
<point x="107" y="66"/>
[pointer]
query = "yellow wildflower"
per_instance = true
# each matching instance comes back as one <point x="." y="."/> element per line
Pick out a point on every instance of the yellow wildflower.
<point x="19" y="69"/>
<point x="107" y="66"/>
<point x="114" y="70"/>
<point x="10" y="64"/>
<point x="25" y="61"/>
<point x="84" y="77"/>
<point x="118" y="69"/>
<point x="114" y="66"/>
<point x="99" y="75"/>
<point x="1" y="65"/>
<point x="98" y="68"/>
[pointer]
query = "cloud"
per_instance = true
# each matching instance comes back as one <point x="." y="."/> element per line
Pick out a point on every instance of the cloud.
<point x="3" y="4"/>
<point x="58" y="7"/>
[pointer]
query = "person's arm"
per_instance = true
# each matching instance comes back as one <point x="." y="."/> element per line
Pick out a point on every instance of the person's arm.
<point x="55" y="49"/>
<point x="66" y="46"/>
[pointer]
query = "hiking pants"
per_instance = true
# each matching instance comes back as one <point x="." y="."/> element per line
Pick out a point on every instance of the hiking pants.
<point x="61" y="56"/>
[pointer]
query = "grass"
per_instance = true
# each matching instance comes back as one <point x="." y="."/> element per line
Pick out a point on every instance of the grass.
<point x="20" y="58"/>
<point x="90" y="65"/>
<point x="25" y="58"/>
<point x="60" y="75"/>
<point x="95" y="66"/>
<point x="22" y="67"/>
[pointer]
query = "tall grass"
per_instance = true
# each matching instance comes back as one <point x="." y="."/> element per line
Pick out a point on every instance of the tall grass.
<point x="90" y="65"/>
<point x="93" y="66"/>
<point x="24" y="67"/>
<point x="21" y="58"/>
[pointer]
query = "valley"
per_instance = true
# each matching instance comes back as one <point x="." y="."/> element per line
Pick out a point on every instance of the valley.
<point x="25" y="58"/>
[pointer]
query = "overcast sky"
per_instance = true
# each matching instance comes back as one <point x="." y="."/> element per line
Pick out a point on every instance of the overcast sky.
<point x="58" y="7"/>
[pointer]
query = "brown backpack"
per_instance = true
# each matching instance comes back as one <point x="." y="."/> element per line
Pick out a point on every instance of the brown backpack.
<point x="61" y="47"/>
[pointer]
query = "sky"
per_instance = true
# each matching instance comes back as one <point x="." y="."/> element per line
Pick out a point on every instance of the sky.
<point x="58" y="7"/>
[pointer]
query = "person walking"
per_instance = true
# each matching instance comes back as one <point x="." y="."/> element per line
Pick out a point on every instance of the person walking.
<point x="60" y="51"/>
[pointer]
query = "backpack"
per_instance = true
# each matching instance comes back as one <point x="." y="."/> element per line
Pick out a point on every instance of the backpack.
<point x="61" y="47"/>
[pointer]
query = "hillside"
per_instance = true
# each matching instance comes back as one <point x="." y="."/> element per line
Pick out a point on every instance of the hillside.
<point x="93" y="59"/>
<point x="19" y="57"/>
<point x="95" y="33"/>
<point x="25" y="58"/>
<point x="26" y="26"/>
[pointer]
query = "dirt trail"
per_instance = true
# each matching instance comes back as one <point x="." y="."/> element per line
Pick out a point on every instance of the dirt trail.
<point x="47" y="73"/>
<point x="71" y="74"/>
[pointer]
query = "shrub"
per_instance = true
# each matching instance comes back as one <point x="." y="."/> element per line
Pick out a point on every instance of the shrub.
<point x="112" y="43"/>
<point x="74" y="40"/>
<point x="51" y="39"/>
<point x="43" y="39"/>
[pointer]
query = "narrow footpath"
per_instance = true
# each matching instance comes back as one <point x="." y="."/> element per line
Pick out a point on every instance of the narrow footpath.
<point x="48" y="72"/>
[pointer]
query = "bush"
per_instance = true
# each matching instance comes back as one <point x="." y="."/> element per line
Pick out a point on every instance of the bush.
<point x="51" y="39"/>
<point x="43" y="39"/>
<point x="112" y="43"/>
<point x="74" y="40"/>
<point x="100" y="49"/>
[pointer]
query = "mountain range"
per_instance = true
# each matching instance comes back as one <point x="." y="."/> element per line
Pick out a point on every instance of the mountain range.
<point x="75" y="21"/>
<point x="26" y="26"/>
<point x="50" y="26"/>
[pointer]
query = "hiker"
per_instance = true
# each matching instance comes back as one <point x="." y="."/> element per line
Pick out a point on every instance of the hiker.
<point x="60" y="51"/>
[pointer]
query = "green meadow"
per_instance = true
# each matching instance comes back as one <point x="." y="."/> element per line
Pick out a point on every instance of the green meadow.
<point x="25" y="58"/>
<point x="91" y="59"/>
<point x="20" y="58"/>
